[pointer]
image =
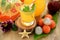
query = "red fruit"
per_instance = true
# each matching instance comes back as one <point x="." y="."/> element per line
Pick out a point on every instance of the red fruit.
<point x="46" y="29"/>
<point x="40" y="22"/>
<point x="13" y="10"/>
<point x="53" y="25"/>
<point x="48" y="16"/>
<point x="4" y="18"/>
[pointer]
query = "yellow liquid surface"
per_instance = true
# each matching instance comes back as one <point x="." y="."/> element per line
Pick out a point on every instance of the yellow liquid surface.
<point x="27" y="16"/>
<point x="28" y="1"/>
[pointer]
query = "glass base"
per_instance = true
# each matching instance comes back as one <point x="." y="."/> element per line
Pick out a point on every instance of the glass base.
<point x="27" y="23"/>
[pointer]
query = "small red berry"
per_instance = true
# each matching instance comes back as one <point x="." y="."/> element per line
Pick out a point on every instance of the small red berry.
<point x="48" y="16"/>
<point x="40" y="22"/>
<point x="46" y="29"/>
<point x="53" y="25"/>
<point x="13" y="10"/>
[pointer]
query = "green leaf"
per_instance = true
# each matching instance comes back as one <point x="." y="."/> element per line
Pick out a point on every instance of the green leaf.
<point x="26" y="9"/>
<point x="3" y="3"/>
<point x="33" y="7"/>
<point x="8" y="7"/>
<point x="36" y="37"/>
<point x="55" y="17"/>
<point x="14" y="27"/>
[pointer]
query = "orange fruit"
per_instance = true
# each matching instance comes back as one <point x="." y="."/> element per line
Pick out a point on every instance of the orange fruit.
<point x="48" y="16"/>
<point x="53" y="25"/>
<point x="40" y="22"/>
<point x="40" y="6"/>
<point x="46" y="29"/>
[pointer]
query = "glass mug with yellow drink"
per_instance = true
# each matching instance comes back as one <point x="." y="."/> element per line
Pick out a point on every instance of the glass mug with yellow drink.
<point x="27" y="14"/>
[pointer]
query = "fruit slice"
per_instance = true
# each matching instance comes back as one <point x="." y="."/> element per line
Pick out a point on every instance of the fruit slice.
<point x="14" y="17"/>
<point x="4" y="18"/>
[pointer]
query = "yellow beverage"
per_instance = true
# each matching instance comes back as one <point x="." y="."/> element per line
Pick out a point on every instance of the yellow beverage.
<point x="27" y="15"/>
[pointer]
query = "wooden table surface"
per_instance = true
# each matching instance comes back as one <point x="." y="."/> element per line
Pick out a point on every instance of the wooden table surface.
<point x="15" y="36"/>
